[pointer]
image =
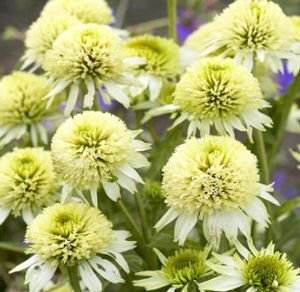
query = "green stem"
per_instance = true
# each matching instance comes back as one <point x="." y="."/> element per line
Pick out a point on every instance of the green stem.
<point x="133" y="227"/>
<point x="11" y="246"/>
<point x="148" y="25"/>
<point x="143" y="217"/>
<point x="284" y="110"/>
<point x="172" y="15"/>
<point x="74" y="279"/>
<point x="262" y="156"/>
<point x="149" y="254"/>
<point x="152" y="131"/>
<point x="121" y="12"/>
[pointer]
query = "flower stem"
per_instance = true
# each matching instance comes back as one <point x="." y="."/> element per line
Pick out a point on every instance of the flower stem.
<point x="172" y="15"/>
<point x="74" y="279"/>
<point x="262" y="156"/>
<point x="149" y="254"/>
<point x="143" y="217"/>
<point x="284" y="110"/>
<point x="10" y="246"/>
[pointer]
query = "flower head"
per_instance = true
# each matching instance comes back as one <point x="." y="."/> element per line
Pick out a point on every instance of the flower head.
<point x="87" y="11"/>
<point x="259" y="271"/>
<point x="23" y="107"/>
<point x="199" y="37"/>
<point x="27" y="182"/>
<point x="159" y="62"/>
<point x="183" y="270"/>
<point x="74" y="235"/>
<point x="250" y="29"/>
<point x="87" y="56"/>
<point x="221" y="93"/>
<point x="214" y="179"/>
<point x="94" y="149"/>
<point x="41" y="35"/>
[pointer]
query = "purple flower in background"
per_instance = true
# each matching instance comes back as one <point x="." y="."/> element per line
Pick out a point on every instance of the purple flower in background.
<point x="187" y="23"/>
<point x="104" y="105"/>
<point x="284" y="79"/>
<point x="279" y="179"/>
<point x="291" y="192"/>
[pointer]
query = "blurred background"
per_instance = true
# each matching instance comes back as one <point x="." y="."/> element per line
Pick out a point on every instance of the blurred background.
<point x="138" y="16"/>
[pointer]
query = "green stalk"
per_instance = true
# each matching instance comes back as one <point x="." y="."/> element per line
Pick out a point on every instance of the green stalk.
<point x="149" y="254"/>
<point x="284" y="109"/>
<point x="11" y="246"/>
<point x="143" y="217"/>
<point x="262" y="156"/>
<point x="74" y="279"/>
<point x="172" y="15"/>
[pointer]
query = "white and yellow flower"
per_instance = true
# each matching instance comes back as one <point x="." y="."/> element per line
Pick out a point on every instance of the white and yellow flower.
<point x="264" y="270"/>
<point x="74" y="236"/>
<point x="23" y="108"/>
<point x="184" y="270"/>
<point x="95" y="149"/>
<point x="41" y="35"/>
<point x="217" y="92"/>
<point x="159" y="63"/>
<point x="214" y="180"/>
<point x="86" y="59"/>
<point x="28" y="182"/>
<point x="86" y="11"/>
<point x="250" y="30"/>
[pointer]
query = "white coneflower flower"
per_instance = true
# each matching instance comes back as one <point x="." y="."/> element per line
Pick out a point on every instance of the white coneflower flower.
<point x="23" y="108"/>
<point x="41" y="35"/>
<point x="27" y="183"/>
<point x="257" y="271"/>
<point x="87" y="58"/>
<point x="214" y="180"/>
<point x="254" y="29"/>
<point x="217" y="92"/>
<point x="96" y="149"/>
<point x="87" y="11"/>
<point x="184" y="270"/>
<point x="74" y="235"/>
<point x="159" y="63"/>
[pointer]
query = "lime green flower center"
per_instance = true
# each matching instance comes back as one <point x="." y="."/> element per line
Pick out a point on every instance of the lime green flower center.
<point x="186" y="267"/>
<point x="267" y="272"/>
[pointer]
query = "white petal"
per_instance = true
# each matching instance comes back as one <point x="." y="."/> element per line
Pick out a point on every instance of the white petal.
<point x="117" y="93"/>
<point x="4" y="212"/>
<point x="131" y="172"/>
<point x="29" y="262"/>
<point x="89" y="97"/>
<point x="112" y="190"/>
<point x="42" y="277"/>
<point x="126" y="182"/>
<point x="72" y="99"/>
<point x="257" y="211"/>
<point x="34" y="135"/>
<point x="170" y="216"/>
<point x="184" y="224"/>
<point x="222" y="283"/>
<point x="94" y="195"/>
<point x="89" y="278"/>
<point x="43" y="133"/>
<point x="155" y="85"/>
<point x="27" y="215"/>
